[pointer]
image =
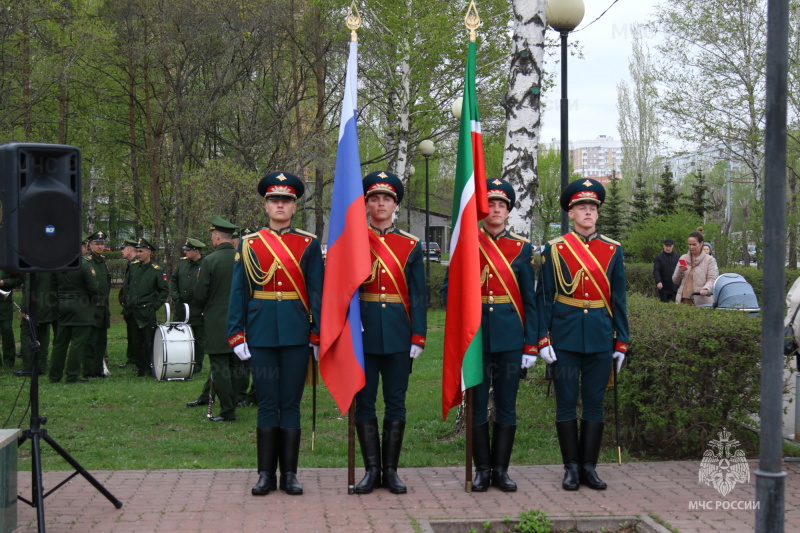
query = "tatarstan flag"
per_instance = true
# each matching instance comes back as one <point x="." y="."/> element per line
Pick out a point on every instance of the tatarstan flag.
<point x="462" y="332"/>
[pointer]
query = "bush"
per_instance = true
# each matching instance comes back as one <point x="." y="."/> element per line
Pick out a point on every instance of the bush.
<point x="435" y="286"/>
<point x="690" y="372"/>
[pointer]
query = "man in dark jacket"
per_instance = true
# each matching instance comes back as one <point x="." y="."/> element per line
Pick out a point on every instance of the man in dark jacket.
<point x="663" y="268"/>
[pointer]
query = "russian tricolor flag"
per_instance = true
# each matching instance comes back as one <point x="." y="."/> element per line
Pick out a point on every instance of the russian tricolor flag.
<point x="348" y="262"/>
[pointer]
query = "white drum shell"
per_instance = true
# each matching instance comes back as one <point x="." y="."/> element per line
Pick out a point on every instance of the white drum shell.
<point x="173" y="351"/>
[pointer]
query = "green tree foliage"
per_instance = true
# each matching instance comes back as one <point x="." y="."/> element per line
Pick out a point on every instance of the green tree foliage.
<point x="612" y="220"/>
<point x="640" y="205"/>
<point x="667" y="197"/>
<point x="643" y="242"/>
<point x="698" y="201"/>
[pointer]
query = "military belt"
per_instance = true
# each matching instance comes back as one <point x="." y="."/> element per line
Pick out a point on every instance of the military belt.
<point x="372" y="297"/>
<point x="276" y="295"/>
<point x="585" y="304"/>
<point x="501" y="299"/>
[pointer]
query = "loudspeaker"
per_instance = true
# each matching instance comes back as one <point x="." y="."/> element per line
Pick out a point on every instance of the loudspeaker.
<point x="40" y="195"/>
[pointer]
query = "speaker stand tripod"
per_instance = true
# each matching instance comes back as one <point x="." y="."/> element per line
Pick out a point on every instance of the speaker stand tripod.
<point x="36" y="433"/>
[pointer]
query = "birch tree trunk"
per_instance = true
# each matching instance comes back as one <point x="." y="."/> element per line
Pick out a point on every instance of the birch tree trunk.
<point x="522" y="104"/>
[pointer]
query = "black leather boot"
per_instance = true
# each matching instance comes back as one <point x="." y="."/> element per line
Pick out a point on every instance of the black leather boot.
<point x="267" y="458"/>
<point x="371" y="452"/>
<point x="502" y="444"/>
<point x="480" y="456"/>
<point x="568" y="441"/>
<point x="591" y="438"/>
<point x="290" y="449"/>
<point x="392" y="443"/>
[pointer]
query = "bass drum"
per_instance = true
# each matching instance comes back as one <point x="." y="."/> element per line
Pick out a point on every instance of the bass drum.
<point x="173" y="352"/>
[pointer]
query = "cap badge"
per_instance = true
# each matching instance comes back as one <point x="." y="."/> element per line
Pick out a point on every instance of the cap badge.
<point x="587" y="183"/>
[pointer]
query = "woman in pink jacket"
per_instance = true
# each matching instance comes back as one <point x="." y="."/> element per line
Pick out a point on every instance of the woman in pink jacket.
<point x="695" y="273"/>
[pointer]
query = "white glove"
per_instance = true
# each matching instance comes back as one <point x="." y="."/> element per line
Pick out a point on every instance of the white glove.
<point x="528" y="360"/>
<point x="415" y="351"/>
<point x="242" y="351"/>
<point x="619" y="358"/>
<point x="548" y="354"/>
<point x="315" y="349"/>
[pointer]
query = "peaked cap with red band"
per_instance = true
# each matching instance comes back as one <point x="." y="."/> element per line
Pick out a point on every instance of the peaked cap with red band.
<point x="281" y="184"/>
<point x="383" y="182"/>
<point x="581" y="191"/>
<point x="499" y="189"/>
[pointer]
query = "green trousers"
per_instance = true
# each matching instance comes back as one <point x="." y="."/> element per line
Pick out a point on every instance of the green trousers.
<point x="72" y="342"/>
<point x="43" y="336"/>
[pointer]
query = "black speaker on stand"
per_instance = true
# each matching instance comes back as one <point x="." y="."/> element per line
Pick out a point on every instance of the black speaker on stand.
<point x="40" y="228"/>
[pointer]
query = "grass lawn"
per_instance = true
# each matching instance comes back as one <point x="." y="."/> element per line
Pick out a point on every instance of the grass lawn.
<point x="124" y="423"/>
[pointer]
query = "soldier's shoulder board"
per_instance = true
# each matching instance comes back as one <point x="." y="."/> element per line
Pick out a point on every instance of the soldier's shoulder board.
<point x="306" y="233"/>
<point x="518" y="237"/>
<point x="612" y="241"/>
<point x="88" y="257"/>
<point x="555" y="241"/>
<point x="250" y="236"/>
<point x="157" y="267"/>
<point x="184" y="258"/>
<point x="407" y="234"/>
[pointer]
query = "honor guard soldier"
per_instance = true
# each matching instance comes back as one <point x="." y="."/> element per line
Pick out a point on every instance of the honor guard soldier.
<point x="78" y="294"/>
<point x="95" y="355"/>
<point x="211" y="295"/>
<point x="128" y="250"/>
<point x="510" y="332"/>
<point x="583" y="327"/>
<point x="276" y="296"/>
<point x="146" y="291"/>
<point x="394" y="322"/>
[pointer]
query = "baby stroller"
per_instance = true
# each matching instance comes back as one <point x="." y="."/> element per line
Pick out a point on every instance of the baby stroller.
<point x="731" y="291"/>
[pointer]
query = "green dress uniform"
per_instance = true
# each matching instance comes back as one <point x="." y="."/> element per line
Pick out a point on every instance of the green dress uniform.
<point x="93" y="361"/>
<point x="145" y="292"/>
<point x="393" y="303"/>
<point x="211" y="295"/>
<point x="9" y="345"/>
<point x="583" y="316"/>
<point x="181" y="290"/>
<point x="276" y="295"/>
<point x="45" y="296"/>
<point x="127" y="312"/>
<point x="78" y="293"/>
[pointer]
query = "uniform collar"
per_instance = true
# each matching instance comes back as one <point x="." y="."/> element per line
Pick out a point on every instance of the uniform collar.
<point x="388" y="230"/>
<point x="499" y="236"/>
<point x="282" y="231"/>
<point x="591" y="237"/>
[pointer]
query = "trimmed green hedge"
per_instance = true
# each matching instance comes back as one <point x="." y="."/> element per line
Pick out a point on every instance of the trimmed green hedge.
<point x="690" y="372"/>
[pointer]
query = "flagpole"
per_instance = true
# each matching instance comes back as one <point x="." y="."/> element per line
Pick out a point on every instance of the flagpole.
<point x="472" y="21"/>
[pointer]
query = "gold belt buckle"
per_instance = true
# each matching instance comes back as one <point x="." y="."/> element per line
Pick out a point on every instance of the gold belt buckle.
<point x="586" y="304"/>
<point x="382" y="298"/>
<point x="279" y="296"/>
<point x="490" y="299"/>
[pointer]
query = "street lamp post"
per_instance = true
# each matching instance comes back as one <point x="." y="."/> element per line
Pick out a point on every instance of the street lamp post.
<point x="564" y="16"/>
<point x="427" y="148"/>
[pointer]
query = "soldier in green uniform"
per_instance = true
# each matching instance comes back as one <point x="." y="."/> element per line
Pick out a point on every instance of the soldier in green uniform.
<point x="276" y="295"/>
<point x="583" y="327"/>
<point x="128" y="250"/>
<point x="78" y="294"/>
<point x="510" y="334"/>
<point x="394" y="321"/>
<point x="93" y="360"/>
<point x="145" y="292"/>
<point x="46" y="299"/>
<point x="8" y="282"/>
<point x="181" y="290"/>
<point x="211" y="295"/>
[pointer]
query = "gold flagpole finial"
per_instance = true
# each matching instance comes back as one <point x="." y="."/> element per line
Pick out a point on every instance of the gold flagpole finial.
<point x="353" y="22"/>
<point x="472" y="21"/>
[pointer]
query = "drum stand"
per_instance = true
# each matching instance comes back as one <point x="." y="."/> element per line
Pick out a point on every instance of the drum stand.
<point x="36" y="432"/>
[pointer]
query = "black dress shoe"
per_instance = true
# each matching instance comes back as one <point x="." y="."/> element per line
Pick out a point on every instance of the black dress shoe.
<point x="244" y="403"/>
<point x="197" y="403"/>
<point x="221" y="419"/>
<point x="123" y="365"/>
<point x="22" y="373"/>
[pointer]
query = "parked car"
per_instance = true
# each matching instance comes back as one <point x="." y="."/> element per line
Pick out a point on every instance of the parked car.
<point x="432" y="250"/>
